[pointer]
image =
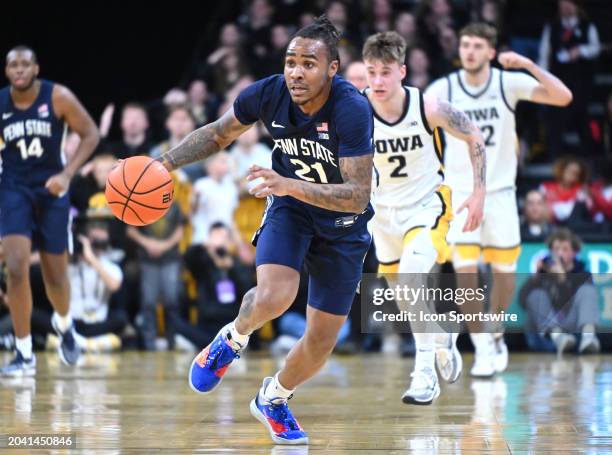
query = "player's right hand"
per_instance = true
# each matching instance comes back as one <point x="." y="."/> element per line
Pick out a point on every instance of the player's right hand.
<point x="475" y="207"/>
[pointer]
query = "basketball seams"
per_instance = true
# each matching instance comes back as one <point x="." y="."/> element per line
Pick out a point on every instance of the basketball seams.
<point x="134" y="200"/>
<point x="135" y="212"/>
<point x="142" y="173"/>
<point x="140" y="193"/>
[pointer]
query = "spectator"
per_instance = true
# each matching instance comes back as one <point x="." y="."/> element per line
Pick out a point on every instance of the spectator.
<point x="418" y="68"/>
<point x="568" y="49"/>
<point x="246" y="152"/>
<point x="93" y="278"/>
<point x="405" y="25"/>
<point x="90" y="181"/>
<point x="601" y="196"/>
<point x="134" y="126"/>
<point x="431" y="15"/>
<point x="448" y="60"/>
<point x="257" y="24"/>
<point x="561" y="299"/>
<point x="179" y="123"/>
<point x="202" y="103"/>
<point x="160" y="270"/>
<point x="381" y="16"/>
<point x="356" y="73"/>
<point x="221" y="283"/>
<point x="535" y="225"/>
<point x="230" y="39"/>
<point x="215" y="197"/>
<point x="566" y="195"/>
<point x="229" y="70"/>
<point x="279" y="40"/>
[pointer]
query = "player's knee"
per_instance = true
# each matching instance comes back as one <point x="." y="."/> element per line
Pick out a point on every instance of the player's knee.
<point x="17" y="266"/>
<point x="276" y="300"/>
<point x="320" y="344"/>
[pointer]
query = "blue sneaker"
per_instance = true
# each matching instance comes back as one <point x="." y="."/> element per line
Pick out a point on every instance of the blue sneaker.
<point x="283" y="427"/>
<point x="69" y="351"/>
<point x="209" y="366"/>
<point x="19" y="366"/>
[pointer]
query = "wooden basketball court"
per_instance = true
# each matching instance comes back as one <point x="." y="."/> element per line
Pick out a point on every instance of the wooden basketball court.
<point x="141" y="402"/>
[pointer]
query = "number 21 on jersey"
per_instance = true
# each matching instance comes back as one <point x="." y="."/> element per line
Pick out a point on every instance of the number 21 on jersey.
<point x="306" y="169"/>
<point x="34" y="149"/>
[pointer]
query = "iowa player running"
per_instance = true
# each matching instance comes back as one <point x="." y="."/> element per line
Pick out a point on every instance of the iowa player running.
<point x="318" y="206"/>
<point x="413" y="207"/>
<point x="34" y="206"/>
<point x="489" y="96"/>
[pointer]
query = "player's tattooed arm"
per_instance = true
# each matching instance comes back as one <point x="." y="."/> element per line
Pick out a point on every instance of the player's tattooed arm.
<point x="204" y="141"/>
<point x="352" y="196"/>
<point x="441" y="114"/>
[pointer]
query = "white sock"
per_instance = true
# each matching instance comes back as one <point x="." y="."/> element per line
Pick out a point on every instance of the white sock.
<point x="24" y="345"/>
<point x="425" y="350"/>
<point x="239" y="338"/>
<point x="482" y="342"/>
<point x="275" y="392"/>
<point x="63" y="323"/>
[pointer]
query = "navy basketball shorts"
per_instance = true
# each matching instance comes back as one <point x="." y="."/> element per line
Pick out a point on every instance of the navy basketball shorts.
<point x="333" y="256"/>
<point x="37" y="214"/>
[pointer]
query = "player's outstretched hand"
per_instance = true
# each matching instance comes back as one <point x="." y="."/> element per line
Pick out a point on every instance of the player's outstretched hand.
<point x="272" y="182"/>
<point x="475" y="207"/>
<point x="58" y="184"/>
<point x="511" y="60"/>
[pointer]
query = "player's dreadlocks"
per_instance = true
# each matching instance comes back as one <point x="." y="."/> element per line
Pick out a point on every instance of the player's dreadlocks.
<point x="323" y="30"/>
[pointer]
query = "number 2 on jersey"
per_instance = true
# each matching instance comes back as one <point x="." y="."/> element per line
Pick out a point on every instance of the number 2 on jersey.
<point x="305" y="169"/>
<point x="401" y="164"/>
<point x="35" y="149"/>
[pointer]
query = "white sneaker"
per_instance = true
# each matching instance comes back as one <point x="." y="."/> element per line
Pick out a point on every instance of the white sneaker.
<point x="589" y="344"/>
<point x="564" y="342"/>
<point x="500" y="361"/>
<point x="484" y="357"/>
<point x="424" y="387"/>
<point x="448" y="358"/>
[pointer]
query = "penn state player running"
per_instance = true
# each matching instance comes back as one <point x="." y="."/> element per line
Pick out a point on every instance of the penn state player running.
<point x="318" y="206"/>
<point x="34" y="206"/>
<point x="489" y="96"/>
<point x="413" y="207"/>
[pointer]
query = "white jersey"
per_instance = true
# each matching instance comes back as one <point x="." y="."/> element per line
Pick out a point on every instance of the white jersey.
<point x="407" y="164"/>
<point x="491" y="107"/>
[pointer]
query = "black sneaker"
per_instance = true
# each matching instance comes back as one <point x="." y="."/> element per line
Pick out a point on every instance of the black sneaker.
<point x="19" y="366"/>
<point x="68" y="350"/>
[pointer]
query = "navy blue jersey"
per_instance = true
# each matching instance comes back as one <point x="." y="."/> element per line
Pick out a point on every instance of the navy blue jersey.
<point x="309" y="147"/>
<point x="31" y="140"/>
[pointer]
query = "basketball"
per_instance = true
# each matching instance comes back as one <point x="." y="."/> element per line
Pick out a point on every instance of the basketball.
<point x="139" y="190"/>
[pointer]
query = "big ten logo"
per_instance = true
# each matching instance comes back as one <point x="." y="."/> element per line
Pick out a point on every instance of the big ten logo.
<point x="167" y="197"/>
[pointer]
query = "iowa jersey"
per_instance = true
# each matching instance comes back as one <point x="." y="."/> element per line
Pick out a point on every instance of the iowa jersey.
<point x="31" y="145"/>
<point x="309" y="147"/>
<point x="406" y="155"/>
<point x="491" y="108"/>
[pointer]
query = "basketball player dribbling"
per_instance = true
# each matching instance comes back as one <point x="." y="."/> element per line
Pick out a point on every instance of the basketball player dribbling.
<point x="413" y="207"/>
<point x="489" y="96"/>
<point x="34" y="205"/>
<point x="318" y="207"/>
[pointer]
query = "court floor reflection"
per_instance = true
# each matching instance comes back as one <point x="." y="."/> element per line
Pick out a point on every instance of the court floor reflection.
<point x="141" y="401"/>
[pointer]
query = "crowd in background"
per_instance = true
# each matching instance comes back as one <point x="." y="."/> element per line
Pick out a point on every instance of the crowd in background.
<point x="184" y="276"/>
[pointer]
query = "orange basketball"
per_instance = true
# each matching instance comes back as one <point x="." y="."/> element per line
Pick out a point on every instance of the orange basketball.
<point x="139" y="190"/>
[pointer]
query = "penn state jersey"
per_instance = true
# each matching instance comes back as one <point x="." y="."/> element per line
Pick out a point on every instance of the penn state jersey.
<point x="491" y="108"/>
<point x="406" y="155"/>
<point x="31" y="140"/>
<point x="309" y="147"/>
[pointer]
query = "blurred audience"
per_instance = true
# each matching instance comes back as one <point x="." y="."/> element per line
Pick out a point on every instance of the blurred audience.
<point x="215" y="197"/>
<point x="561" y="300"/>
<point x="357" y="74"/>
<point x="535" y="225"/>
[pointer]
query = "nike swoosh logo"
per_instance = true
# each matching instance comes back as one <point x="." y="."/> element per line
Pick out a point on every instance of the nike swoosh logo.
<point x="276" y="125"/>
<point x="7" y="115"/>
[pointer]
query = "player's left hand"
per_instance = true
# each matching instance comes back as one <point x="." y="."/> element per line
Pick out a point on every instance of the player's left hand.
<point x="58" y="184"/>
<point x="272" y="182"/>
<point x="512" y="60"/>
<point x="475" y="207"/>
